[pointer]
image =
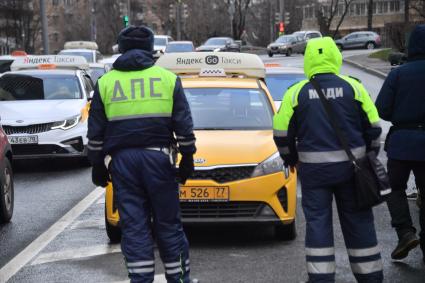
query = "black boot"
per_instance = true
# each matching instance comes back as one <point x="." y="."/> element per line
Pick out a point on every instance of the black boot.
<point x="407" y="243"/>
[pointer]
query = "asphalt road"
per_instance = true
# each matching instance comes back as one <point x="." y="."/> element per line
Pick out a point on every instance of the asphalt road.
<point x="76" y="249"/>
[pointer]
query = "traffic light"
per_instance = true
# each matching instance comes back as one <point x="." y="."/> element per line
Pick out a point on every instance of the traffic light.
<point x="125" y="21"/>
<point x="281" y="28"/>
<point x="277" y="17"/>
<point x="185" y="11"/>
<point x="172" y="12"/>
<point x="287" y="17"/>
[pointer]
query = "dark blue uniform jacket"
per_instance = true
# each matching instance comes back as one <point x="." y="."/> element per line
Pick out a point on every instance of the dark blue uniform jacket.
<point x="402" y="102"/>
<point x="106" y="137"/>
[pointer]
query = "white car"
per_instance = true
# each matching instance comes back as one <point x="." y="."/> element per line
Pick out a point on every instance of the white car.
<point x="160" y="44"/>
<point x="92" y="56"/>
<point x="44" y="104"/>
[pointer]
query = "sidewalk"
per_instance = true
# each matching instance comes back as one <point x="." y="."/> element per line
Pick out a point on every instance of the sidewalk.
<point x="373" y="66"/>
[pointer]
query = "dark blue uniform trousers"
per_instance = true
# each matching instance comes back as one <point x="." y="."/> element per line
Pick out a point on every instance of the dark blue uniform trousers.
<point x="148" y="203"/>
<point x="357" y="227"/>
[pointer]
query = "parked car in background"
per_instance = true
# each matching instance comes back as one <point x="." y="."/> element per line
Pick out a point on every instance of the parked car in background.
<point x="6" y="179"/>
<point x="159" y="45"/>
<point x="359" y="39"/>
<point x="303" y="36"/>
<point x="96" y="70"/>
<point x="279" y="79"/>
<point x="219" y="44"/>
<point x="285" y="44"/>
<point x="180" y="46"/>
<point x="87" y="49"/>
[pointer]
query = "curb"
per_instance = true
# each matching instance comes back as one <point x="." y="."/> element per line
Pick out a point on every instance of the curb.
<point x="374" y="72"/>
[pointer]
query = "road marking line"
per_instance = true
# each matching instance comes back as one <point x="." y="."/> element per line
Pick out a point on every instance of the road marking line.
<point x="76" y="253"/>
<point x="82" y="224"/>
<point x="20" y="260"/>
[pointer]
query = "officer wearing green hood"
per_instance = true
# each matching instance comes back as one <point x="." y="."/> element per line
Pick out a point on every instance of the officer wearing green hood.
<point x="306" y="139"/>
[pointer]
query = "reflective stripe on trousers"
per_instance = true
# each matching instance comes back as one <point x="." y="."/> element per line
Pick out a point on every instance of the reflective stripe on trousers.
<point x="329" y="156"/>
<point x="366" y="260"/>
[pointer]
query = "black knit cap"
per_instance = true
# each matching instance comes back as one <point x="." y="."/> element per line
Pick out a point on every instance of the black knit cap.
<point x="133" y="37"/>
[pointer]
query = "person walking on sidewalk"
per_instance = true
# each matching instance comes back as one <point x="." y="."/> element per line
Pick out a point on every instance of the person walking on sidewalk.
<point x="402" y="102"/>
<point x="324" y="167"/>
<point x="135" y="112"/>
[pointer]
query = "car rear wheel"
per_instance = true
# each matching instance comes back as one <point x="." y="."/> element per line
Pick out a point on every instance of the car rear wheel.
<point x="270" y="54"/>
<point x="113" y="232"/>
<point x="289" y="52"/>
<point x="6" y="193"/>
<point x="370" y="45"/>
<point x="285" y="232"/>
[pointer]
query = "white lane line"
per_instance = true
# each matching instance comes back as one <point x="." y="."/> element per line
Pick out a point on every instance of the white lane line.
<point x="13" y="266"/>
<point x="94" y="223"/>
<point x="160" y="278"/>
<point x="76" y="253"/>
<point x="101" y="200"/>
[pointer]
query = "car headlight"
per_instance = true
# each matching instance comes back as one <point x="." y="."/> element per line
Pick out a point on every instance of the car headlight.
<point x="273" y="164"/>
<point x="67" y="124"/>
<point x="282" y="46"/>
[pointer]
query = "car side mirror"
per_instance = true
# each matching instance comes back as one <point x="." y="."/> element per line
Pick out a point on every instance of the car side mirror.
<point x="90" y="97"/>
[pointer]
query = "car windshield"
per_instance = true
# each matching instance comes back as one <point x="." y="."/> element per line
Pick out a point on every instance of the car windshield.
<point x="284" y="39"/>
<point x="179" y="47"/>
<point x="278" y="83"/>
<point x="87" y="55"/>
<point x="229" y="109"/>
<point x="160" y="41"/>
<point x="95" y="73"/>
<point x="38" y="87"/>
<point x="216" y="41"/>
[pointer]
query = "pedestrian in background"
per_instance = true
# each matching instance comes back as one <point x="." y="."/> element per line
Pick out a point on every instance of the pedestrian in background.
<point x="402" y="102"/>
<point x="135" y="112"/>
<point x="324" y="167"/>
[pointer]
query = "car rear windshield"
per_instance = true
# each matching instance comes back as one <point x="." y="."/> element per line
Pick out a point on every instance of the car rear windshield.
<point x="39" y="87"/>
<point x="96" y="73"/>
<point x="160" y="41"/>
<point x="229" y="109"/>
<point x="278" y="83"/>
<point x="183" y="47"/>
<point x="216" y="41"/>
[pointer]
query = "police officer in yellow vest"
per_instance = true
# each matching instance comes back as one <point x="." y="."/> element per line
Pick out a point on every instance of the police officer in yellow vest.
<point x="136" y="111"/>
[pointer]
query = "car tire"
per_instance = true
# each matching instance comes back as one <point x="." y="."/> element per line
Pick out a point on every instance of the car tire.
<point x="285" y="232"/>
<point x="270" y="54"/>
<point x="6" y="192"/>
<point x="288" y="53"/>
<point x="113" y="232"/>
<point x="370" y="45"/>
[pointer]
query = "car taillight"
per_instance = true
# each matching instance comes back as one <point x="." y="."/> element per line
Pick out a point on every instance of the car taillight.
<point x="378" y="39"/>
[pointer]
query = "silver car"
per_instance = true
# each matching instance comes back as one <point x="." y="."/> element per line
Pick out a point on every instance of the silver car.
<point x="360" y="39"/>
<point x="285" y="44"/>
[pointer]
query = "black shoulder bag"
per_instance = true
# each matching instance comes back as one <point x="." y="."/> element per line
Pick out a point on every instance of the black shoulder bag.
<point x="371" y="179"/>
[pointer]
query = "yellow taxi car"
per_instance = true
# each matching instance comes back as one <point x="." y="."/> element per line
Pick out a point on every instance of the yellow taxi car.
<point x="239" y="176"/>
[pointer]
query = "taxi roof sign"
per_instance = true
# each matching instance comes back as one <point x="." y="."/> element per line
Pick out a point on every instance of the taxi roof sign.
<point x="249" y="65"/>
<point x="49" y="62"/>
<point x="81" y="45"/>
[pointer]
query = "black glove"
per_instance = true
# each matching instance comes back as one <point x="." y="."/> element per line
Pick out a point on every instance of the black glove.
<point x="186" y="168"/>
<point x="289" y="160"/>
<point x="100" y="175"/>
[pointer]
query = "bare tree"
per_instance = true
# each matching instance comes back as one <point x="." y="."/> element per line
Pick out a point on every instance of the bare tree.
<point x="326" y="13"/>
<point x="109" y="24"/>
<point x="419" y="7"/>
<point x="242" y="7"/>
<point x="20" y="25"/>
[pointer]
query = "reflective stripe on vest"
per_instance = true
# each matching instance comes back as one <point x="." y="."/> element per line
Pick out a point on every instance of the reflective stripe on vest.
<point x="146" y="93"/>
<point x="329" y="156"/>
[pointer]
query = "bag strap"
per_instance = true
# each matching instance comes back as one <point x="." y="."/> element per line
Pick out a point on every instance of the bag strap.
<point x="333" y="120"/>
